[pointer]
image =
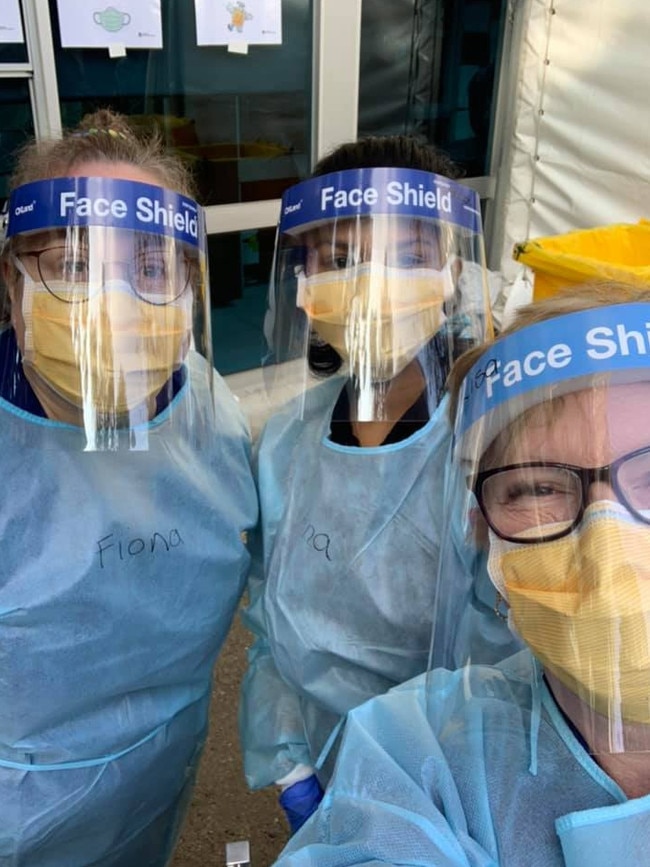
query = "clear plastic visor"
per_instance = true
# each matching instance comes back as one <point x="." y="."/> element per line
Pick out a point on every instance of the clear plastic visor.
<point x="388" y="301"/>
<point x="109" y="328"/>
<point x="549" y="501"/>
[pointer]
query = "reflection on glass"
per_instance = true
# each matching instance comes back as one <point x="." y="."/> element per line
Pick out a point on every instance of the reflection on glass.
<point x="242" y="122"/>
<point x="16" y="125"/>
<point x="240" y="266"/>
<point x="427" y="68"/>
<point x="13" y="52"/>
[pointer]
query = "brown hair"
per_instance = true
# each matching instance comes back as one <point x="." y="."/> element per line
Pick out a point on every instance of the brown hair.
<point x="583" y="297"/>
<point x="105" y="136"/>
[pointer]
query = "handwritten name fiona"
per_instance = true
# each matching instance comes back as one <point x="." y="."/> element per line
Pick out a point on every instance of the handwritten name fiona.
<point x="110" y="547"/>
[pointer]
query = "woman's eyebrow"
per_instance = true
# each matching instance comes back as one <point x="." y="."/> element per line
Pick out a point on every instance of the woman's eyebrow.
<point x="327" y="246"/>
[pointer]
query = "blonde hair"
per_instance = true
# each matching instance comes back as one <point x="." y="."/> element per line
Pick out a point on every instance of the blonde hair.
<point x="103" y="136"/>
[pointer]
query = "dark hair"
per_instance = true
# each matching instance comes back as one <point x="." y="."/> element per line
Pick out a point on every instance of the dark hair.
<point x="395" y="151"/>
<point x="377" y="151"/>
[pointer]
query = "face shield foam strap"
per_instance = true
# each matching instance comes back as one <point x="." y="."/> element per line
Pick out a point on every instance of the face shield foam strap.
<point x="547" y="360"/>
<point x="63" y="202"/>
<point x="369" y="192"/>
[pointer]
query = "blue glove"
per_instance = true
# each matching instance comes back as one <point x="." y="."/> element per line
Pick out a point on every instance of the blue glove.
<point x="300" y="800"/>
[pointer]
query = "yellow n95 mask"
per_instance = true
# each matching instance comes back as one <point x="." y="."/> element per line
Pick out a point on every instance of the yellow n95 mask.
<point x="376" y="317"/>
<point x="582" y="604"/>
<point x="112" y="352"/>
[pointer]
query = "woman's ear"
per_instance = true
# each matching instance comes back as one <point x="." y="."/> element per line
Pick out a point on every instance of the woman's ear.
<point x="9" y="278"/>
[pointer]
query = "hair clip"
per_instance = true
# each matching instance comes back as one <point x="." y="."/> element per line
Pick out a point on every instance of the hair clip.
<point x="114" y="133"/>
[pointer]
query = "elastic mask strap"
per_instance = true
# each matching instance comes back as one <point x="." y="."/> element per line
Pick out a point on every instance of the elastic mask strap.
<point x="535" y="718"/>
<point x="329" y="743"/>
<point x="20" y="267"/>
<point x="26" y="303"/>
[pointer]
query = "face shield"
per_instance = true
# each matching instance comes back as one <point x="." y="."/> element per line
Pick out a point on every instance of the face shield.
<point x="365" y="281"/>
<point x="107" y="287"/>
<point x="550" y="484"/>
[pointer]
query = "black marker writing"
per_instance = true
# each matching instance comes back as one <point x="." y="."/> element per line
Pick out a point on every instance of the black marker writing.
<point x="125" y="550"/>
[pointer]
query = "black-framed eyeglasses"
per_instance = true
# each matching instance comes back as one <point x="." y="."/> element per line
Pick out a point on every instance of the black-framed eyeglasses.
<point x="158" y="274"/>
<point x="539" y="501"/>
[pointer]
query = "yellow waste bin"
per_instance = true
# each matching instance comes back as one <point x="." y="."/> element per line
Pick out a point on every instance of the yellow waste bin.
<point x="619" y="252"/>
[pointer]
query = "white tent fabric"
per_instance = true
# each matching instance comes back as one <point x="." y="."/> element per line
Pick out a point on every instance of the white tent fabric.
<point x="580" y="149"/>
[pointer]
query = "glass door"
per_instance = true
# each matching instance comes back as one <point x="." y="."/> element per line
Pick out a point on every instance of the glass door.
<point x="241" y="122"/>
<point x="29" y="101"/>
<point x="16" y="92"/>
<point x="251" y="124"/>
<point x="428" y="68"/>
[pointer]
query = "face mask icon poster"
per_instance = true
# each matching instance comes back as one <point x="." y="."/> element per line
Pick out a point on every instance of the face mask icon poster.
<point x="105" y="24"/>
<point x="111" y="19"/>
<point x="254" y="22"/>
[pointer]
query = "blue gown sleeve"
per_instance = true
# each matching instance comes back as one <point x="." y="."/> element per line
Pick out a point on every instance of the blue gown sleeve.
<point x="381" y="807"/>
<point x="271" y="726"/>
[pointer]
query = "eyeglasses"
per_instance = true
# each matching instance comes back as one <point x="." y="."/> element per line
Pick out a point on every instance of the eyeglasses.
<point x="538" y="501"/>
<point x="157" y="273"/>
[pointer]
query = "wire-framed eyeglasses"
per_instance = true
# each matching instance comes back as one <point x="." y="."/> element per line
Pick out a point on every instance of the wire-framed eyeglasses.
<point x="538" y="501"/>
<point x="158" y="273"/>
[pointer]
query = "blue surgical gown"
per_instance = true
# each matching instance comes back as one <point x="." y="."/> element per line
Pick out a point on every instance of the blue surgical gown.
<point x="476" y="768"/>
<point x="120" y="573"/>
<point x="342" y="604"/>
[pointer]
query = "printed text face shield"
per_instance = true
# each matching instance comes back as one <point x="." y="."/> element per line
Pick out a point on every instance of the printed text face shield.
<point x="551" y="472"/>
<point x="108" y="288"/>
<point x="368" y="264"/>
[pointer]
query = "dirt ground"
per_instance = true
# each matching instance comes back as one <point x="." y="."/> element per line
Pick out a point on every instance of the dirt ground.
<point x="223" y="810"/>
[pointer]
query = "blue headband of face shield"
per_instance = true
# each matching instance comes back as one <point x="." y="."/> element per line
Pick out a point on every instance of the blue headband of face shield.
<point x="62" y="202"/>
<point x="368" y="192"/>
<point x="548" y="359"/>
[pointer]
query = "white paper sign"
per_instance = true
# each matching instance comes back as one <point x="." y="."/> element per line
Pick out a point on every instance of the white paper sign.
<point x="129" y="23"/>
<point x="224" y="22"/>
<point x="238" y="47"/>
<point x="11" y="27"/>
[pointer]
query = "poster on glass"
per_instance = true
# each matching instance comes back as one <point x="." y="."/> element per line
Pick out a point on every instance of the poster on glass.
<point x="225" y="22"/>
<point x="128" y="23"/>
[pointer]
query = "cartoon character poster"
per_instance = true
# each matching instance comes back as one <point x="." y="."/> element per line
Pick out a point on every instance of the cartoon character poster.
<point x="222" y="22"/>
<point x="102" y="23"/>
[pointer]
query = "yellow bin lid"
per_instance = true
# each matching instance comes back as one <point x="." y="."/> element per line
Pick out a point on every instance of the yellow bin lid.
<point x="619" y="252"/>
